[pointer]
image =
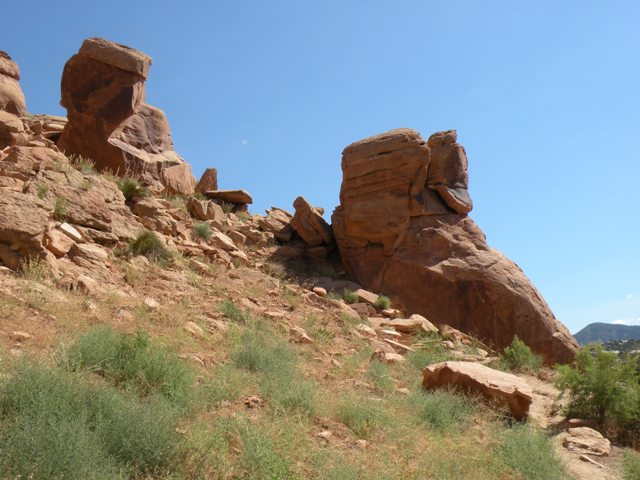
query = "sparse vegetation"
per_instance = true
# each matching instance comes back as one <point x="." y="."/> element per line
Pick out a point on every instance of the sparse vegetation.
<point x="233" y="313"/>
<point x="518" y="357"/>
<point x="34" y="269"/>
<point x="631" y="465"/>
<point x="227" y="207"/>
<point x="41" y="191"/>
<point x="202" y="230"/>
<point x="131" y="188"/>
<point x="363" y="416"/>
<point x="382" y="302"/>
<point x="83" y="165"/>
<point x="148" y="244"/>
<point x="443" y="410"/>
<point x="57" y="424"/>
<point x="60" y="208"/>
<point x="530" y="454"/>
<point x="349" y="296"/>
<point x="133" y="363"/>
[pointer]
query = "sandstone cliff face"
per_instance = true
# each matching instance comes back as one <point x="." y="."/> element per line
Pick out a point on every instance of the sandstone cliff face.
<point x="402" y="229"/>
<point x="103" y="91"/>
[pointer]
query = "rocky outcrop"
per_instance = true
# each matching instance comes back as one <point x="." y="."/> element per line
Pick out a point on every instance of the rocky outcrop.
<point x="402" y="228"/>
<point x="500" y="387"/>
<point x="103" y="91"/>
<point x="310" y="225"/>
<point x="11" y="96"/>
<point x="12" y="103"/>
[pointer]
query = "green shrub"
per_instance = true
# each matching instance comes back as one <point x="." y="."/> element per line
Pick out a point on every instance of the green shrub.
<point x="148" y="244"/>
<point x="202" y="230"/>
<point x="379" y="374"/>
<point x="382" y="302"/>
<point x="350" y="296"/>
<point x="426" y="351"/>
<point x="233" y="313"/>
<point x="34" y="269"/>
<point x="631" y="465"/>
<point x="227" y="207"/>
<point x="361" y="415"/>
<point x="227" y="383"/>
<point x="83" y="165"/>
<point x="60" y="209"/>
<point x="131" y="188"/>
<point x="600" y="385"/>
<point x="279" y="378"/>
<point x="132" y="362"/>
<point x="57" y="424"/>
<point x="530" y="454"/>
<point x="260" y="457"/>
<point x="518" y="357"/>
<point x="42" y="191"/>
<point x="443" y="410"/>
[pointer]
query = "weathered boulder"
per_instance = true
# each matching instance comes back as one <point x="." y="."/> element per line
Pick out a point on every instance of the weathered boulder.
<point x="310" y="225"/>
<point x="241" y="197"/>
<point x="585" y="440"/>
<point x="103" y="92"/>
<point x="11" y="96"/>
<point x="12" y="130"/>
<point x="208" y="181"/>
<point x="501" y="387"/>
<point x="402" y="228"/>
<point x="23" y="222"/>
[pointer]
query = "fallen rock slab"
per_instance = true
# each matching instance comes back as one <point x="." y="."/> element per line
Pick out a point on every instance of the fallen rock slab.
<point x="231" y="196"/>
<point x="585" y="440"/>
<point x="503" y="388"/>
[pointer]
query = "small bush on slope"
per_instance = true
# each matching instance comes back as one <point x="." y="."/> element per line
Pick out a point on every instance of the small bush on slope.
<point x="601" y="386"/>
<point x="349" y="296"/>
<point x="382" y="302"/>
<point x="131" y="188"/>
<point x="361" y="415"/>
<point x="275" y="362"/>
<point x="518" y="357"/>
<point x="530" y="453"/>
<point x="57" y="424"/>
<point x="202" y="230"/>
<point x="443" y="410"/>
<point x="148" y="244"/>
<point x="134" y="363"/>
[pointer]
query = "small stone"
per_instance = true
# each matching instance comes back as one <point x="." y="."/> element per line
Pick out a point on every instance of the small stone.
<point x="253" y="401"/>
<point x="366" y="296"/>
<point x="300" y="335"/>
<point x="366" y="330"/>
<point x="390" y="313"/>
<point x="361" y="443"/>
<point x="19" y="336"/>
<point x="448" y="344"/>
<point x="403" y="390"/>
<point x="320" y="291"/>
<point x="388" y="357"/>
<point x="151" y="303"/>
<point x="325" y="434"/>
<point x="70" y="232"/>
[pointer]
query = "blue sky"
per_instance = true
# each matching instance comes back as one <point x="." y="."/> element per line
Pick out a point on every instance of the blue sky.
<point x="544" y="95"/>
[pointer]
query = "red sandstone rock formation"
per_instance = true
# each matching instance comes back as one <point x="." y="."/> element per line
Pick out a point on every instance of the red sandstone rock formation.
<point x="103" y="91"/>
<point x="402" y="229"/>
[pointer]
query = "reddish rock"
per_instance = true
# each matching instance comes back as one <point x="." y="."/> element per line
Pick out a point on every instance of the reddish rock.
<point x="475" y="378"/>
<point x="103" y="92"/>
<point x="310" y="225"/>
<point x="230" y="196"/>
<point x="208" y="182"/>
<point x="11" y="96"/>
<point x="399" y="230"/>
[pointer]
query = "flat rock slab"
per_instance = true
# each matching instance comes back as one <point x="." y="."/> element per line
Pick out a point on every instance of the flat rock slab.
<point x="231" y="196"/>
<point x="504" y="388"/>
<point x="116" y="55"/>
<point x="585" y="440"/>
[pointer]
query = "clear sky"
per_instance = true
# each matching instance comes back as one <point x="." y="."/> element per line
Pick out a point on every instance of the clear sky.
<point x="544" y="94"/>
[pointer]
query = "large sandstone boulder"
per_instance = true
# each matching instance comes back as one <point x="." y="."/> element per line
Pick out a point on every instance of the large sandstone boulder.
<point x="500" y="387"/>
<point x="103" y="91"/>
<point x="310" y="225"/>
<point x="402" y="228"/>
<point x="11" y="96"/>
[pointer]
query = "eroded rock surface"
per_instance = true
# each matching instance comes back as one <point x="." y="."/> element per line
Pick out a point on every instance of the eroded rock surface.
<point x="501" y="387"/>
<point x="103" y="90"/>
<point x="402" y="228"/>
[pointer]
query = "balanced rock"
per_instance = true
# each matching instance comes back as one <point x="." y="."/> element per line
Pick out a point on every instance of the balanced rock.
<point x="103" y="91"/>
<point x="475" y="378"/>
<point x="310" y="225"/>
<point x="208" y="181"/>
<point x="402" y="228"/>
<point x="11" y="96"/>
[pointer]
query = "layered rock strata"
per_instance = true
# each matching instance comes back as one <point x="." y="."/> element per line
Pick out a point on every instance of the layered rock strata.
<point x="402" y="228"/>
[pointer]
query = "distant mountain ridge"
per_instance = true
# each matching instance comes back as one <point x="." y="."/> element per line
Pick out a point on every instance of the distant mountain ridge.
<point x="605" y="332"/>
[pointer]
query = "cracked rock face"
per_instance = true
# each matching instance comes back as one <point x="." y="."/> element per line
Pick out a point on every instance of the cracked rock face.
<point x="103" y="90"/>
<point x="402" y="228"/>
